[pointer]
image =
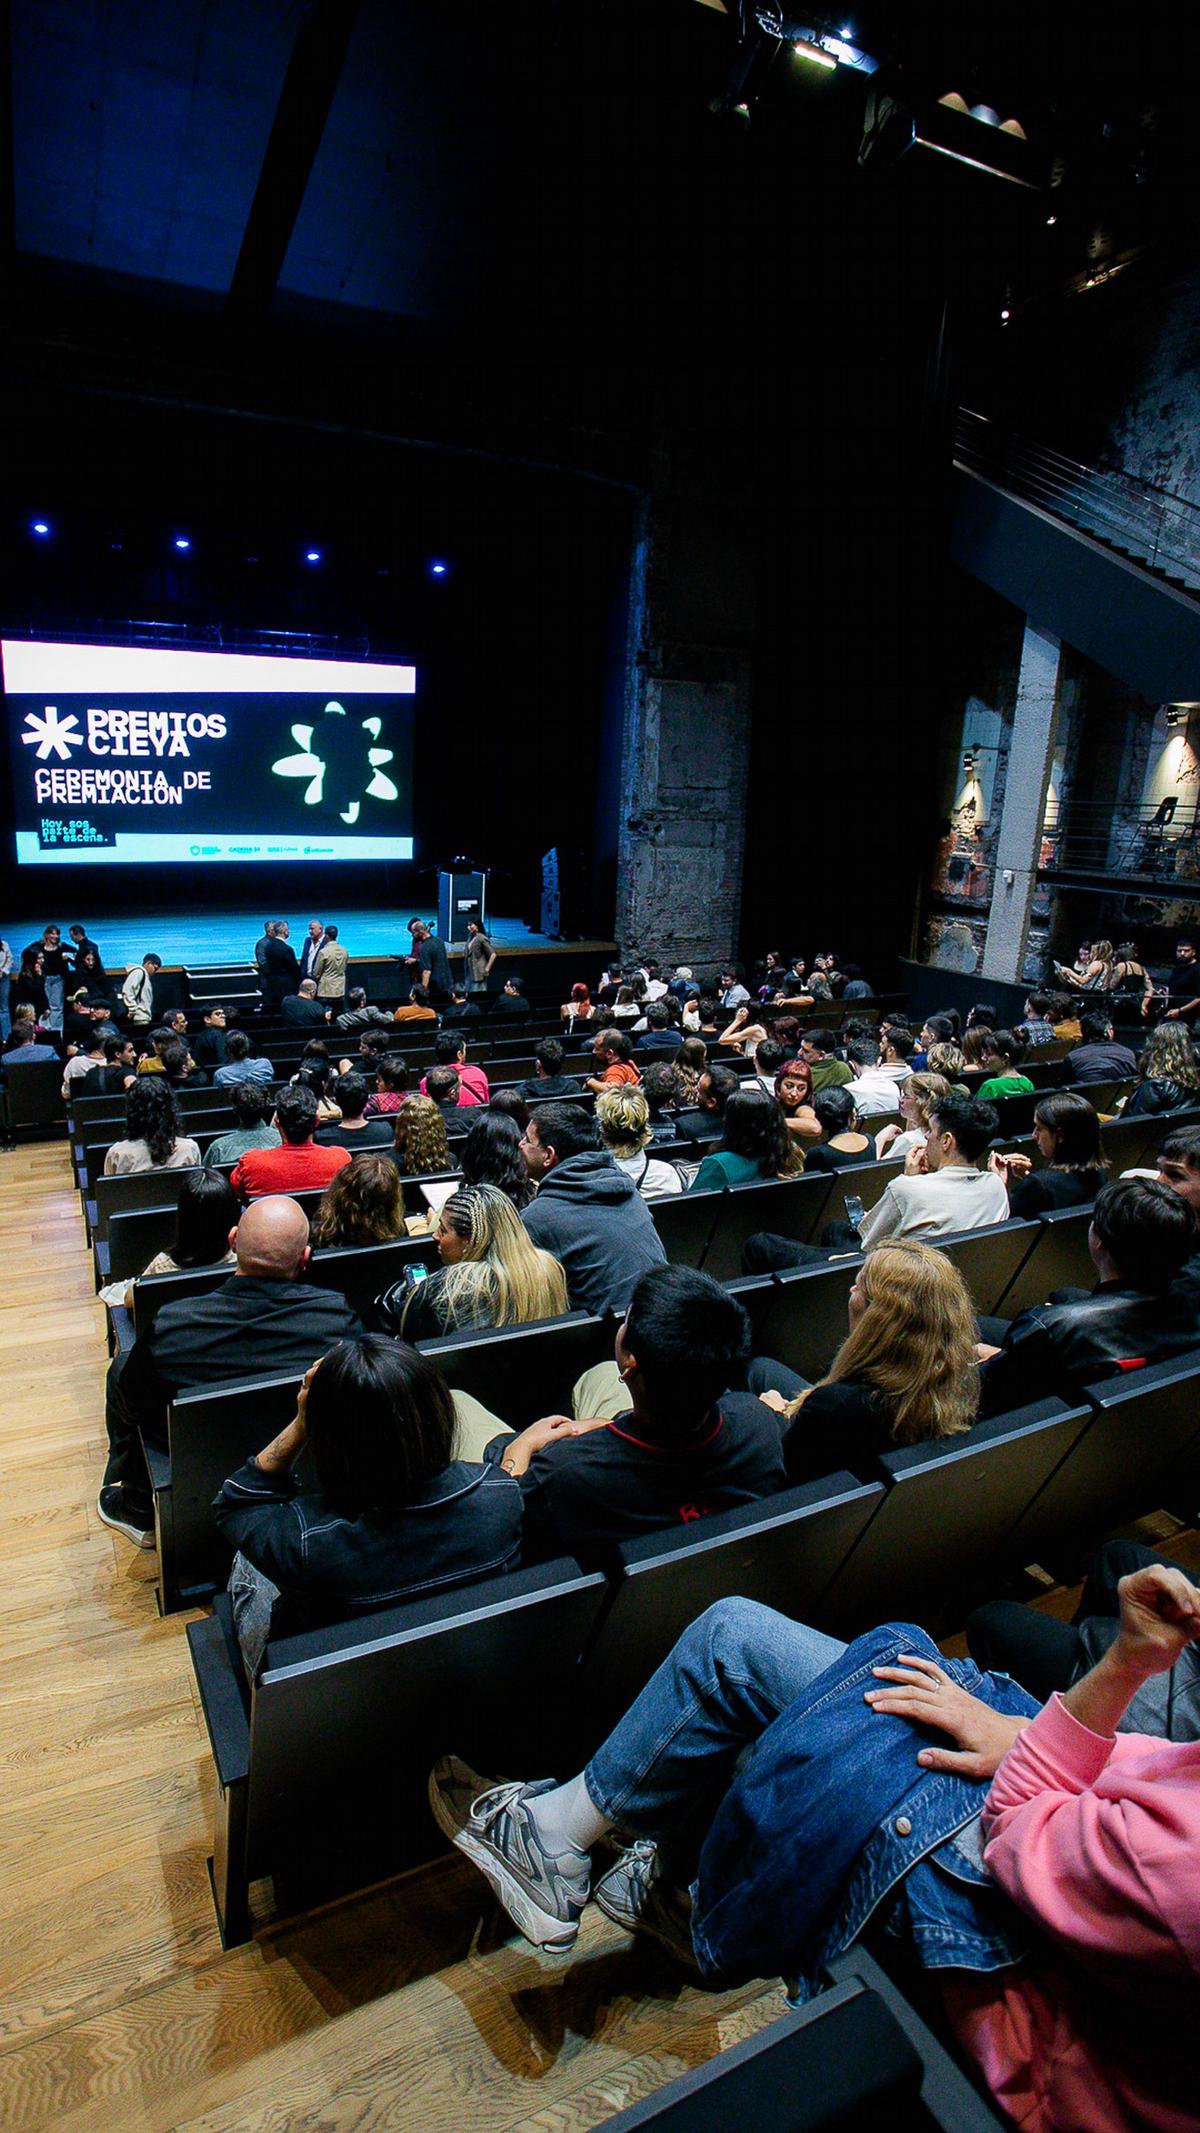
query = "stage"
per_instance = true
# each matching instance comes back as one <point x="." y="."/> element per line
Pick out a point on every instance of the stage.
<point x="195" y="941"/>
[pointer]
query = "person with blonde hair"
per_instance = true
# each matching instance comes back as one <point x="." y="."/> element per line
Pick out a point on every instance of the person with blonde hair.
<point x="907" y="1372"/>
<point x="492" y="1273"/>
<point x="1168" y="1074"/>
<point x="363" y="1204"/>
<point x="623" y="1116"/>
<point x="1098" y="974"/>
<point x="918" y="1099"/>
<point x="945" y="1059"/>
<point x="419" y="1138"/>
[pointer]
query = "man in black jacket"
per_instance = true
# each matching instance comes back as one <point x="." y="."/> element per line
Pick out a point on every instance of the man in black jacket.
<point x="303" y="1010"/>
<point x="587" y="1213"/>
<point x="1139" y="1312"/>
<point x="1100" y="1057"/>
<point x="675" y="1443"/>
<point x="266" y="1318"/>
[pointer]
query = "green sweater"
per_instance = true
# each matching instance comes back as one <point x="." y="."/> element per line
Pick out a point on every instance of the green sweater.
<point x="1005" y="1085"/>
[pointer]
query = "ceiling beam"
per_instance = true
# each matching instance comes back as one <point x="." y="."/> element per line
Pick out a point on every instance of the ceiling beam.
<point x="313" y="71"/>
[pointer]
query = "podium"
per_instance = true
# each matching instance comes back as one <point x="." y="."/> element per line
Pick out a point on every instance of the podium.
<point x="461" y="895"/>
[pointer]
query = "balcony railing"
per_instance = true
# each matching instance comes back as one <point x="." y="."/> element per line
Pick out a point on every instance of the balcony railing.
<point x="1143" y="842"/>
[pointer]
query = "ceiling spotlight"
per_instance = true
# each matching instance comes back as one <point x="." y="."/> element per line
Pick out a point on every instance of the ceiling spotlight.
<point x="312" y="555"/>
<point x="182" y="543"/>
<point x="41" y="527"/>
<point x="1050" y="221"/>
<point x="1005" y="316"/>
<point x="438" y="570"/>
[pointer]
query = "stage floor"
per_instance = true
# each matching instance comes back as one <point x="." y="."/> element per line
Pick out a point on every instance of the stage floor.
<point x="229" y="936"/>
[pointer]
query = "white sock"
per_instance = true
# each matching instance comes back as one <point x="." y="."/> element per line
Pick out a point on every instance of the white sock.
<point x="568" y="1818"/>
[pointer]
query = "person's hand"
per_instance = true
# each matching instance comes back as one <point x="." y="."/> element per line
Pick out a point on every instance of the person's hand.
<point x="775" y="1401"/>
<point x="1160" y="1615"/>
<point x="928" y="1696"/>
<point x="915" y="1165"/>
<point x="985" y="1351"/>
<point x="1173" y="1014"/>
<point x="551" y="1429"/>
<point x="300" y="1419"/>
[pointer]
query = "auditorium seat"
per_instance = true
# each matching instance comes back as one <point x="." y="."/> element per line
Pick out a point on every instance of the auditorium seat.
<point x="791" y="1207"/>
<point x="523" y="1372"/>
<point x="1060" y="1259"/>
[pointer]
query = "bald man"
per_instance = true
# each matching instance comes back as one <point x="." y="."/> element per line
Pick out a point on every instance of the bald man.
<point x="264" y="1320"/>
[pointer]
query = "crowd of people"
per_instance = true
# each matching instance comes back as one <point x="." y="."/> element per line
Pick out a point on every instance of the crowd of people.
<point x="540" y="1199"/>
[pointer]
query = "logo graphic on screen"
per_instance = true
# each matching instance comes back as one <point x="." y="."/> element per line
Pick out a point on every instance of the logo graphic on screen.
<point x="333" y="756"/>
<point x="54" y="735"/>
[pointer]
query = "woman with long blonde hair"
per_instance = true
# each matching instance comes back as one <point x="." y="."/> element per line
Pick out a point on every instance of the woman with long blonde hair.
<point x="907" y="1373"/>
<point x="492" y="1274"/>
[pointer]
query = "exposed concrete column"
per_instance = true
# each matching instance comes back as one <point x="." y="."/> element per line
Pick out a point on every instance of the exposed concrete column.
<point x="1019" y="842"/>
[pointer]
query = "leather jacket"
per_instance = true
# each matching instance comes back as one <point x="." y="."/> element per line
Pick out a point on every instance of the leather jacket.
<point x="1076" y="1338"/>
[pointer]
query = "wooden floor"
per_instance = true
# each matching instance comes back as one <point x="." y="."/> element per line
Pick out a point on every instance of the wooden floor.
<point x="118" y="2007"/>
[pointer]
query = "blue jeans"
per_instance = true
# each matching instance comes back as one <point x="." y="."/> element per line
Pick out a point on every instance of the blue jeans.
<point x="727" y="1680"/>
<point x="55" y="990"/>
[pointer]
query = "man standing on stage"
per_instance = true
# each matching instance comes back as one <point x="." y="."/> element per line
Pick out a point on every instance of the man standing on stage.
<point x="435" y="980"/>
<point x="329" y="969"/>
<point x="312" y="947"/>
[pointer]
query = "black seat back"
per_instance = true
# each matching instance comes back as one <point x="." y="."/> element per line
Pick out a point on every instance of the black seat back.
<point x="1058" y="1260"/>
<point x="685" y="1222"/>
<point x="523" y="1372"/>
<point x="806" y="1322"/>
<point x="33" y="1093"/>
<point x="989" y="1259"/>
<point x="210" y="1434"/>
<point x="791" y="1207"/>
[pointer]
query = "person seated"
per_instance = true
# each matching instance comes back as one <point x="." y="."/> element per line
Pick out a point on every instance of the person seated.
<point x="1037" y="1028"/>
<point x="303" y="1010"/>
<point x="491" y="1274"/>
<point x="78" y="1027"/>
<point x="253" y="1106"/>
<point x="976" y="1049"/>
<point x="744" y="1034"/>
<point x="1067" y="1132"/>
<point x="391" y="1086"/>
<point x="208" y="1051"/>
<point x="419" y="1144"/>
<point x="855" y="986"/>
<point x="511" y="1002"/>
<point x="417" y="1007"/>
<point x="1179" y="1167"/>
<point x="705" y="1120"/>
<point x="876" y="1090"/>
<point x="936" y="1029"/>
<point x="623" y="1116"/>
<point x="659" y="1035"/>
<point x="1001" y="1062"/>
<point x="350" y="1128"/>
<point x="756" y="1145"/>
<point x="316" y="1072"/>
<point x="239" y="1064"/>
<point x="1065" y="1018"/>
<point x="1168" y="1074"/>
<point x="358" y="1014"/>
<point x="1141" y="1238"/>
<point x="842" y="1142"/>
<point x="265" y="1320"/>
<point x="450" y="1050"/>
<point x="443" y="1088"/>
<point x="206" y="1214"/>
<point x="613" y="1052"/>
<point x="657" y="1437"/>
<point x="169" y="1056"/>
<point x="754" y="1768"/>
<point x="896" y="1047"/>
<point x="581" y="1007"/>
<point x="907" y="1374"/>
<point x="793" y="1090"/>
<point x="152" y="1138"/>
<point x="363" y="1204"/>
<point x="1093" y="970"/>
<point x="918" y="1098"/>
<point x="944" y="1188"/>
<point x="116" y="1075"/>
<point x="1100" y="1057"/>
<point x="687" y="1066"/>
<point x="769" y="1056"/>
<point x="587" y="1214"/>
<point x="393" y="1510"/>
<point x="548" y="1078"/>
<point x="298" y="1164"/>
<point x="81" y="1063"/>
<point x="25" y="1048"/>
<point x="662" y="1088"/>
<point x="491" y="1155"/>
<point x="825" y="1070"/>
<point x="948" y="1061"/>
<point x="28" y="1000"/>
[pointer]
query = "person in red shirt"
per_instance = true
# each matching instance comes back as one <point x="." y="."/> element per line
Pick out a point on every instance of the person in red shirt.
<point x="449" y="1049"/>
<point x="299" y="1165"/>
<point x="613" y="1052"/>
<point x="391" y="1086"/>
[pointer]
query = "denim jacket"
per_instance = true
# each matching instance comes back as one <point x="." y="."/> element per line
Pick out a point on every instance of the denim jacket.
<point x="833" y="1816"/>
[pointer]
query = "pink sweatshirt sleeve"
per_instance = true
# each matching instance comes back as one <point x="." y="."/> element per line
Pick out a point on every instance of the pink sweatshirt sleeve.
<point x="1079" y="1833"/>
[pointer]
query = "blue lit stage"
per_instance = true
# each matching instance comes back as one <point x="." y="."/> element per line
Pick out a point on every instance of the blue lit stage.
<point x="196" y="940"/>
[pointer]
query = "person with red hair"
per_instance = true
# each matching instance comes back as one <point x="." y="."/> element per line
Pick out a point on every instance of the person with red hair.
<point x="579" y="1008"/>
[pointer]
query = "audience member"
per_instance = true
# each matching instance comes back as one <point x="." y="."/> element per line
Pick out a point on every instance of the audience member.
<point x="706" y="1119"/>
<point x="1036" y="1026"/>
<point x="1067" y="1132"/>
<point x="756" y="1144"/>
<point x="303" y="1010"/>
<point x="731" y="992"/>
<point x="907" y="1373"/>
<point x="391" y="1086"/>
<point x="24" y="1047"/>
<point x="297" y="1165"/>
<point x="581" y="1007"/>
<point x="613" y="1052"/>
<point x="266" y="1319"/>
<point x="394" y="1510"/>
<point x="511" y="1001"/>
<point x="918" y="1099"/>
<point x="352" y="1129"/>
<point x="417" y="1007"/>
<point x="1141" y="1238"/>
<point x="512" y="1104"/>
<point x="688" y="1065"/>
<point x="491" y="1275"/>
<point x="239" y="1065"/>
<point x="793" y="1089"/>
<point x="358" y="1014"/>
<point x="1100" y="1057"/>
<point x="252" y="1105"/>
<point x="491" y="1155"/>
<point x="28" y="999"/>
<point x="450" y="1049"/>
<point x="548" y="1077"/>
<point x="363" y="1204"/>
<point x="842" y="1143"/>
<point x="209" y="1047"/>
<point x="152" y="1137"/>
<point x="947" y="1060"/>
<point x="1002" y="1061"/>
<point x="876" y="1090"/>
<point x="82" y="1062"/>
<point x="661" y="1438"/>
<point x="419" y="1143"/>
<point x="587" y="1213"/>
<point x="1168" y="1073"/>
<point x="623" y="1116"/>
<point x="825" y="1071"/>
<point x="659" y="1035"/>
<point x="943" y="1187"/>
<point x="206" y="1213"/>
<point x="118" y="1072"/>
<point x="442" y="1086"/>
<point x="663" y="1090"/>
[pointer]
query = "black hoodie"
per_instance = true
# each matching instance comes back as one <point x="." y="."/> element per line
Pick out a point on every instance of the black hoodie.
<point x="597" y="1225"/>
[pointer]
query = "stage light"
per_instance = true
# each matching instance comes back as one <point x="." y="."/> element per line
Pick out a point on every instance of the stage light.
<point x="1050" y="221"/>
<point x="312" y="555"/>
<point x="1005" y="316"/>
<point x="804" y="50"/>
<point x="182" y="543"/>
<point x="439" y="570"/>
<point x="41" y="527"/>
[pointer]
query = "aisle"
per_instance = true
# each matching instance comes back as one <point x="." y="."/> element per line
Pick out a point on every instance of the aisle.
<point x="118" y="2008"/>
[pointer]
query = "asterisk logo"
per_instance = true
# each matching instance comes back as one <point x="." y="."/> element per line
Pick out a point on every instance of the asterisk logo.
<point x="313" y="763"/>
<point x="54" y="735"/>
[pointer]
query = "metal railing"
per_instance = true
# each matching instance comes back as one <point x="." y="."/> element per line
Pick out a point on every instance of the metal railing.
<point x="1147" y="524"/>
<point x="1092" y="838"/>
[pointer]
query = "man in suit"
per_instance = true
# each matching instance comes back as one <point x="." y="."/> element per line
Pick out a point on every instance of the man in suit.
<point x="265" y="1319"/>
<point x="313" y="943"/>
<point x="329" y="968"/>
<point x="282" y="970"/>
